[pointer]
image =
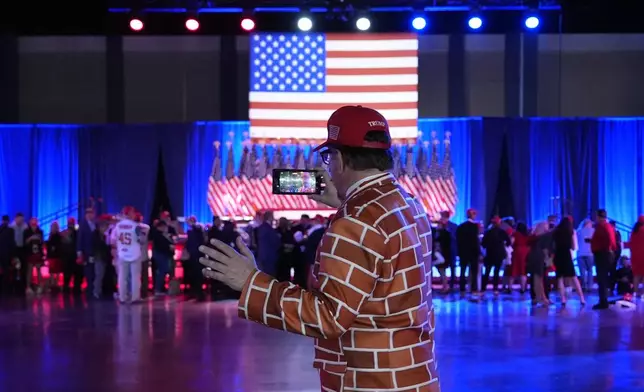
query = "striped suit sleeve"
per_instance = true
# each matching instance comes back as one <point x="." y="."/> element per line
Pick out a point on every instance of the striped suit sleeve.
<point x="348" y="257"/>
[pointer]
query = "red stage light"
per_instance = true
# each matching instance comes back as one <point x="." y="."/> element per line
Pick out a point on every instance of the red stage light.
<point x="248" y="24"/>
<point x="192" y="24"/>
<point x="136" y="24"/>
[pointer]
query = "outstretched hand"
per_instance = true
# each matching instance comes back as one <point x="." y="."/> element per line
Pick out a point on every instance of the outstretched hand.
<point x="226" y="265"/>
<point x="329" y="195"/>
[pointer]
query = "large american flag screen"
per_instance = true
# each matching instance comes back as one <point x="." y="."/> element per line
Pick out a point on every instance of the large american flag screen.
<point x="298" y="80"/>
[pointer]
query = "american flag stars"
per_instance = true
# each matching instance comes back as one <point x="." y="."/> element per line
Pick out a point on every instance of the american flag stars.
<point x="288" y="62"/>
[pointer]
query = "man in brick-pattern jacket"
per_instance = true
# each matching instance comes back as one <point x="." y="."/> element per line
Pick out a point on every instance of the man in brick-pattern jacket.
<point x="370" y="309"/>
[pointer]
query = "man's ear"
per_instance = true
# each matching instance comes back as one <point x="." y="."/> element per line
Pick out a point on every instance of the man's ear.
<point x="343" y="165"/>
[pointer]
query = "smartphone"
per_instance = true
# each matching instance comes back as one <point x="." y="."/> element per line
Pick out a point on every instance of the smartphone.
<point x="297" y="182"/>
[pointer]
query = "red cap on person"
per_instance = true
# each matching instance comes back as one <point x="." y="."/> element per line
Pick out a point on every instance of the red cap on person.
<point x="348" y="126"/>
<point x="127" y="210"/>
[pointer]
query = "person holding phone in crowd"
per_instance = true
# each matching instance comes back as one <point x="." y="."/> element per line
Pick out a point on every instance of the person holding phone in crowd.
<point x="372" y="266"/>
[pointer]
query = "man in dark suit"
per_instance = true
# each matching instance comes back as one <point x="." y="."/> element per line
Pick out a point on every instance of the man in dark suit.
<point x="447" y="239"/>
<point x="468" y="244"/>
<point x="7" y="253"/>
<point x="72" y="270"/>
<point x="84" y="246"/>
<point x="268" y="245"/>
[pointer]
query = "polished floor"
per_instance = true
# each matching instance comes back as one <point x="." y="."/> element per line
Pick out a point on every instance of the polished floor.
<point x="70" y="345"/>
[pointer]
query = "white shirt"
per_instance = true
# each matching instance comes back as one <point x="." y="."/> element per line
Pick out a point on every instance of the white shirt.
<point x="126" y="238"/>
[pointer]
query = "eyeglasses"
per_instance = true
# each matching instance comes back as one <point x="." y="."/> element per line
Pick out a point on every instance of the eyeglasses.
<point x="326" y="156"/>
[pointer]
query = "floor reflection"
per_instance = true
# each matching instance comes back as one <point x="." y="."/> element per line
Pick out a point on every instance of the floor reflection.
<point x="66" y="344"/>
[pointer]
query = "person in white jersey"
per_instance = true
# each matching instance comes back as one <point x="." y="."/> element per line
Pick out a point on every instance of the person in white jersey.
<point x="126" y="237"/>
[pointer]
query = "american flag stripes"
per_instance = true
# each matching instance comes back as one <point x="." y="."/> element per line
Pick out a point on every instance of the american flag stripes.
<point x="298" y="80"/>
<point x="434" y="184"/>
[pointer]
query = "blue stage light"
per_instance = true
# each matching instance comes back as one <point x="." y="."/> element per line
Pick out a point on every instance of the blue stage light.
<point x="532" y="22"/>
<point x="475" y="23"/>
<point x="419" y="23"/>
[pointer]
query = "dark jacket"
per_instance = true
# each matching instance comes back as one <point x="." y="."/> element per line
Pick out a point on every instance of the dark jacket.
<point x="101" y="251"/>
<point x="311" y="245"/>
<point x="161" y="244"/>
<point x="194" y="241"/>
<point x="55" y="246"/>
<point x="268" y="247"/>
<point x="34" y="242"/>
<point x="84" y="239"/>
<point x="70" y="244"/>
<point x="467" y="240"/>
<point x="494" y="241"/>
<point x="7" y="243"/>
<point x="447" y="242"/>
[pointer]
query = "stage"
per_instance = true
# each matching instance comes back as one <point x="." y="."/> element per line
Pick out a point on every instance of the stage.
<point x="61" y="344"/>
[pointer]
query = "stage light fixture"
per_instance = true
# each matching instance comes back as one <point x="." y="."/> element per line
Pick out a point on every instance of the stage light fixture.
<point x="247" y="24"/>
<point x="136" y="24"/>
<point x="363" y="23"/>
<point x="532" y="22"/>
<point x="419" y="23"/>
<point x="304" y="23"/>
<point x="192" y="24"/>
<point x="475" y="22"/>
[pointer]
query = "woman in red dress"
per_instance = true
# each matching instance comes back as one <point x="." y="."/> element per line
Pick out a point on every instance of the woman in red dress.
<point x="636" y="244"/>
<point x="54" y="255"/>
<point x="520" y="250"/>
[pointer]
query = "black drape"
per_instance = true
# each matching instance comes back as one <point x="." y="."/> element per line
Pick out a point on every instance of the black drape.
<point x="492" y="146"/>
<point x="517" y="139"/>
<point x="161" y="198"/>
<point x="173" y="140"/>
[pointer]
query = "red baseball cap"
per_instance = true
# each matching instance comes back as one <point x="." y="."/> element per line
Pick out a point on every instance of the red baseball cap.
<point x="349" y="125"/>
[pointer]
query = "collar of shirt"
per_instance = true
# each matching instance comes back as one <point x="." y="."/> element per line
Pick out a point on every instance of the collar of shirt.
<point x="366" y="182"/>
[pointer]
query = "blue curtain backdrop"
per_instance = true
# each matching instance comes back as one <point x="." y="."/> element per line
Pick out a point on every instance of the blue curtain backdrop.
<point x="118" y="164"/>
<point x="38" y="169"/>
<point x="15" y="169"/>
<point x="553" y="167"/>
<point x="55" y="180"/>
<point x="590" y="162"/>
<point x="620" y="161"/>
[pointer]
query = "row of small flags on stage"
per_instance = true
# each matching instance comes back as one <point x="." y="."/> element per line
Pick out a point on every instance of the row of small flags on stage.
<point x="250" y="190"/>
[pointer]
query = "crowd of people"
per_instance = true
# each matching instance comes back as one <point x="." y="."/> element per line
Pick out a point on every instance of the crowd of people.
<point x="119" y="256"/>
<point x="99" y="256"/>
<point x="530" y="256"/>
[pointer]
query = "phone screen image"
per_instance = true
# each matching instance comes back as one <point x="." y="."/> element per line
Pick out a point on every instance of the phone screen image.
<point x="296" y="182"/>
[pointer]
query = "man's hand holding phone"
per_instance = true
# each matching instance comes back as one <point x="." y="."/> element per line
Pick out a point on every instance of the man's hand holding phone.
<point x="329" y="195"/>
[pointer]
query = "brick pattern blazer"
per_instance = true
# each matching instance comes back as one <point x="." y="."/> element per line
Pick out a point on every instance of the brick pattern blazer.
<point x="371" y="311"/>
